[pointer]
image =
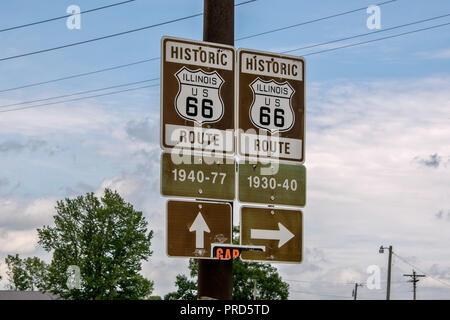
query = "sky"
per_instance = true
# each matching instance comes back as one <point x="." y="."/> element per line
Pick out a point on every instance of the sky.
<point x="377" y="132"/>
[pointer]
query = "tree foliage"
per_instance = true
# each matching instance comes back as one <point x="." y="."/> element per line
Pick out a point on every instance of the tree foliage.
<point x="26" y="274"/>
<point x="106" y="239"/>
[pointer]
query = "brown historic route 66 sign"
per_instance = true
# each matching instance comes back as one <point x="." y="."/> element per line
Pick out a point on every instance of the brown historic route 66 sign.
<point x="271" y="106"/>
<point x="197" y="95"/>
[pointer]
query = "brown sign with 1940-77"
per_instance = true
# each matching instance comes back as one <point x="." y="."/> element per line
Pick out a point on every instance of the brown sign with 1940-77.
<point x="201" y="177"/>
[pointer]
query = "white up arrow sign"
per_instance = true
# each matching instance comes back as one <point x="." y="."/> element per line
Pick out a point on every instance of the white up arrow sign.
<point x="199" y="226"/>
<point x="283" y="234"/>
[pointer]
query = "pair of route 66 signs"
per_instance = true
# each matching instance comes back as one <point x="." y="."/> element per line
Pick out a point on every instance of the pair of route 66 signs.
<point x="198" y="101"/>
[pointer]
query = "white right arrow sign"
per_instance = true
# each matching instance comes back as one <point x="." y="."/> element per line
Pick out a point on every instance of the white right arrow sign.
<point x="283" y="234"/>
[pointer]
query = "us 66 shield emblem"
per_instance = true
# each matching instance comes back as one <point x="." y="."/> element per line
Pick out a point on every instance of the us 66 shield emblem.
<point x="198" y="97"/>
<point x="271" y="108"/>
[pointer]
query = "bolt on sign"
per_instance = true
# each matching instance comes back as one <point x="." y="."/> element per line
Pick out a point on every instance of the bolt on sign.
<point x="271" y="106"/>
<point x="197" y="95"/>
<point x="275" y="183"/>
<point x="192" y="226"/>
<point x="278" y="230"/>
<point x="197" y="176"/>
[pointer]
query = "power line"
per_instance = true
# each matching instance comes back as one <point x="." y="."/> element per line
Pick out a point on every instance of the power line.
<point x="99" y="38"/>
<point x="317" y="281"/>
<point x="157" y="58"/>
<point x="79" y="75"/>
<point x="378" y="39"/>
<point x="65" y="16"/>
<point x="308" y="22"/>
<point x="411" y="265"/>
<point x="142" y="61"/>
<point x="320" y="294"/>
<point x="110" y="35"/>
<point x="367" y="33"/>
<point x="244" y="2"/>
<point x="78" y="93"/>
<point x="82" y="98"/>
<point x="318" y="52"/>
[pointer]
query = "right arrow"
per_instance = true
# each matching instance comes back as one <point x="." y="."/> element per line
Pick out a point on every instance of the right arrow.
<point x="283" y="234"/>
<point x="199" y="226"/>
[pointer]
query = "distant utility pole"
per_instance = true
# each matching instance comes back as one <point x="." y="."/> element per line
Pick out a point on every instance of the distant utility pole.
<point x="388" y="289"/>
<point x="355" y="291"/>
<point x="215" y="277"/>
<point x="254" y="289"/>
<point x="414" y="279"/>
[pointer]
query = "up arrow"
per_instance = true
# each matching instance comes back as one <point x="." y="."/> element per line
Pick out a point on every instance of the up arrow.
<point x="283" y="234"/>
<point x="199" y="226"/>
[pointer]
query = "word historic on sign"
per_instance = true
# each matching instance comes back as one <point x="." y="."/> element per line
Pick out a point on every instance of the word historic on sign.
<point x="271" y="66"/>
<point x="199" y="55"/>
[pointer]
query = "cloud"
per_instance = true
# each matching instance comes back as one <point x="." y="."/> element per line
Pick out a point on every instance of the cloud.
<point x="4" y="182"/>
<point x="32" y="145"/>
<point x="433" y="161"/>
<point x="441" y="215"/>
<point x="146" y="130"/>
<point x="18" y="214"/>
<point x="62" y="119"/>
<point x="439" y="54"/>
<point x="18" y="241"/>
<point x="363" y="189"/>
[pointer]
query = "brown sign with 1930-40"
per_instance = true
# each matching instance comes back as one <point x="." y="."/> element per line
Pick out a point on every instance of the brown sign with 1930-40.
<point x="276" y="183"/>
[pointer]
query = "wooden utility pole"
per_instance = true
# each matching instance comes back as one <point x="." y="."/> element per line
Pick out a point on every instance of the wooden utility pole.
<point x="388" y="293"/>
<point x="388" y="289"/>
<point x="414" y="281"/>
<point x="355" y="291"/>
<point x="215" y="277"/>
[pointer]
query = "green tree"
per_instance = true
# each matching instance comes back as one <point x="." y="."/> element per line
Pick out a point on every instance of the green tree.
<point x="269" y="285"/>
<point x="26" y="274"/>
<point x="106" y="239"/>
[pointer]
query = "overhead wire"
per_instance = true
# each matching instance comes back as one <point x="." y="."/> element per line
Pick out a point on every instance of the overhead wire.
<point x="308" y="22"/>
<point x="378" y="39"/>
<point x="367" y="33"/>
<point x="78" y="93"/>
<point x="80" y="75"/>
<point x="286" y="51"/>
<point x="326" y="50"/>
<point x="320" y="294"/>
<point x="81" y="98"/>
<point x="117" y="34"/>
<point x="418" y="269"/>
<point x="155" y="58"/>
<point x="64" y="17"/>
